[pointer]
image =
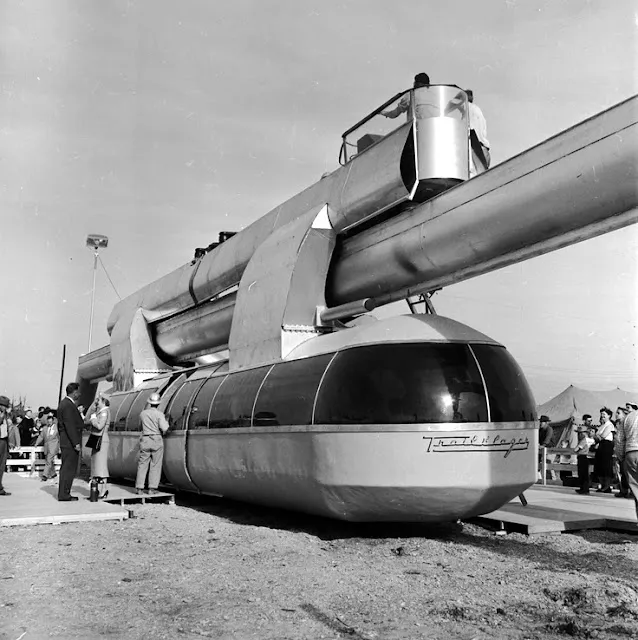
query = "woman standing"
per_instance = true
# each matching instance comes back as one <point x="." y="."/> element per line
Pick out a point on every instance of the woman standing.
<point x="603" y="464"/>
<point x="100" y="456"/>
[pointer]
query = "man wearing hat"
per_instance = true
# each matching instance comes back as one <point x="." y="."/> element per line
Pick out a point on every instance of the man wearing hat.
<point x="626" y="450"/>
<point x="420" y="80"/>
<point x="545" y="432"/>
<point x="4" y="440"/>
<point x="154" y="426"/>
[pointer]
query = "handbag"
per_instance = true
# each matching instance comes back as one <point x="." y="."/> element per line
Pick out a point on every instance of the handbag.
<point x="94" y="442"/>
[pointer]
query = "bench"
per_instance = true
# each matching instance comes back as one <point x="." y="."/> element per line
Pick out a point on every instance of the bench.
<point x="545" y="466"/>
<point x="35" y="461"/>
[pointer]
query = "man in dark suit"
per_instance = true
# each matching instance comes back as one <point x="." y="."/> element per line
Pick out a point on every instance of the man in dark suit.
<point x="70" y="430"/>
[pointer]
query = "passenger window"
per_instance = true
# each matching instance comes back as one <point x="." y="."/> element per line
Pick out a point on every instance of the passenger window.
<point x="133" y="420"/>
<point x="177" y="411"/>
<point x="116" y="403"/>
<point x="202" y="405"/>
<point x="288" y="394"/>
<point x="120" y="420"/>
<point x="234" y="401"/>
<point x="402" y="384"/>
<point x="511" y="399"/>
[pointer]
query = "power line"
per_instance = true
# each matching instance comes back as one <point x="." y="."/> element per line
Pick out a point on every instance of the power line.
<point x="109" y="277"/>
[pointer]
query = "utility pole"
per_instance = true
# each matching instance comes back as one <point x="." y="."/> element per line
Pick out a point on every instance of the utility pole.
<point x="62" y="374"/>
<point x="96" y="242"/>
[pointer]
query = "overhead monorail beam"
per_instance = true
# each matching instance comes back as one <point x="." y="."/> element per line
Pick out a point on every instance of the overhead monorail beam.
<point x="572" y="187"/>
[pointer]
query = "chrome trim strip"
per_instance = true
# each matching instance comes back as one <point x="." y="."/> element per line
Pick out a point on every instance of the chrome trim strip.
<point x="323" y="375"/>
<point x="377" y="428"/>
<point x="252" y="411"/>
<point x="487" y="398"/>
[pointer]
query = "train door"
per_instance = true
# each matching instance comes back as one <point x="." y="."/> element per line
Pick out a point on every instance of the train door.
<point x="118" y="438"/>
<point x="176" y="405"/>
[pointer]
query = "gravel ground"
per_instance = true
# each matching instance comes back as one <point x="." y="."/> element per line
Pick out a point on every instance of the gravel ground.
<point x="217" y="569"/>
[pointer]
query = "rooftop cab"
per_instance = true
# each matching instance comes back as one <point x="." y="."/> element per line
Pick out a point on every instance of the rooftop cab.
<point x="432" y="126"/>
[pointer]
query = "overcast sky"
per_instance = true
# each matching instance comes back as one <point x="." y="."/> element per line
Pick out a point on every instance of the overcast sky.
<point x="161" y="123"/>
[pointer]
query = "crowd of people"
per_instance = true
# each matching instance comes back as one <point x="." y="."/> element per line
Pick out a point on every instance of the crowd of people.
<point x="59" y="432"/>
<point x="613" y="445"/>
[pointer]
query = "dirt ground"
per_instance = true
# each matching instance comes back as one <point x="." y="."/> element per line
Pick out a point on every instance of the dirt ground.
<point x="217" y="569"/>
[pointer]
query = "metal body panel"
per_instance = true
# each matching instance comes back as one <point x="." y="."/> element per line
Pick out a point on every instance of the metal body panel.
<point x="281" y="293"/>
<point x="442" y="149"/>
<point x="370" y="475"/>
<point x="401" y="329"/>
<point x="124" y="447"/>
<point x="197" y="331"/>
<point x="442" y="133"/>
<point x="174" y="463"/>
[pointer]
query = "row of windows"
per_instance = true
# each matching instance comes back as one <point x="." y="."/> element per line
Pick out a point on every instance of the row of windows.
<point x="379" y="384"/>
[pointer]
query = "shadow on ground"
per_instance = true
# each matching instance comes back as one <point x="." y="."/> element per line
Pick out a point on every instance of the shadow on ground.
<point x="538" y="550"/>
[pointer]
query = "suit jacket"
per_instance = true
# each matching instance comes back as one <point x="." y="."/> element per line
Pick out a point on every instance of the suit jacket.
<point x="69" y="424"/>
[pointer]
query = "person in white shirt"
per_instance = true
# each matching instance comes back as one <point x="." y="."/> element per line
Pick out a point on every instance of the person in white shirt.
<point x="420" y="80"/>
<point x="479" y="144"/>
<point x="603" y="462"/>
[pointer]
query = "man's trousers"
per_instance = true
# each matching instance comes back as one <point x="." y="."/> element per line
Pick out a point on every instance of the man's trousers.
<point x="68" y="470"/>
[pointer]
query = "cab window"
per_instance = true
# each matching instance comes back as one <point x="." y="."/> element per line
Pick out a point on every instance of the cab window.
<point x="402" y="384"/>
<point x="288" y="394"/>
<point x="234" y="401"/>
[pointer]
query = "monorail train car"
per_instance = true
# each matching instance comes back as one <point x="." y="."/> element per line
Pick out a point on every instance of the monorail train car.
<point x="413" y="418"/>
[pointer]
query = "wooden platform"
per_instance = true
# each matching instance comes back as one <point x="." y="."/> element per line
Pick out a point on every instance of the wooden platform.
<point x="553" y="509"/>
<point x="35" y="502"/>
<point x="123" y="494"/>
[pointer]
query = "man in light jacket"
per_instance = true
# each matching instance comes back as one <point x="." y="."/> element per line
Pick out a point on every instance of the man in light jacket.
<point x="626" y="450"/>
<point x="50" y="440"/>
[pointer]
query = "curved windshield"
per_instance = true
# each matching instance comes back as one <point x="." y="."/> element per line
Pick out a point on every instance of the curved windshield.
<point x="510" y="397"/>
<point x="402" y="384"/>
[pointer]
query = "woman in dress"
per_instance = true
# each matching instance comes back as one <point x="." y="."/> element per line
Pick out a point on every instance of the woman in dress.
<point x="100" y="457"/>
<point x="603" y="463"/>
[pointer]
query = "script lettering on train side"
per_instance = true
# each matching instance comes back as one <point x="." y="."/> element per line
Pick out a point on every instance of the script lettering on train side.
<point x="471" y="443"/>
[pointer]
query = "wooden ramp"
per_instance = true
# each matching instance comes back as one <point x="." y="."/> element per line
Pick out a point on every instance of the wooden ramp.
<point x="123" y="494"/>
<point x="35" y="502"/>
<point x="552" y="509"/>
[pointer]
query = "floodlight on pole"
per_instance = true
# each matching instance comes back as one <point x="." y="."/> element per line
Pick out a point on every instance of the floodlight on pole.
<point x="96" y="242"/>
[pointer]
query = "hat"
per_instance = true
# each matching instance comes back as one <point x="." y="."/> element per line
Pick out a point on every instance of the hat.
<point x="4" y="401"/>
<point x="633" y="405"/>
<point x="544" y="419"/>
<point x="154" y="399"/>
<point x="586" y="416"/>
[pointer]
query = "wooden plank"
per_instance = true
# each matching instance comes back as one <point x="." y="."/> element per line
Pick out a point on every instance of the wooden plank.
<point x="559" y="509"/>
<point x="59" y="519"/>
<point x="35" y="502"/>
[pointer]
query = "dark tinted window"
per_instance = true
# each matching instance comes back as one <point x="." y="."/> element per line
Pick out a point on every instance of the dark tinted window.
<point x="509" y="394"/>
<point x="201" y="406"/>
<point x="120" y="420"/>
<point x="402" y="384"/>
<point x="116" y="403"/>
<point x="133" y="420"/>
<point x="288" y="393"/>
<point x="234" y="401"/>
<point x="177" y="410"/>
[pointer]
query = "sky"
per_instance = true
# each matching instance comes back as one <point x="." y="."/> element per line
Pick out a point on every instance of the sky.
<point x="159" y="124"/>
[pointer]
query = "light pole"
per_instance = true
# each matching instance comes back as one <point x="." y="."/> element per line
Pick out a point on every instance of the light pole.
<point x="96" y="242"/>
